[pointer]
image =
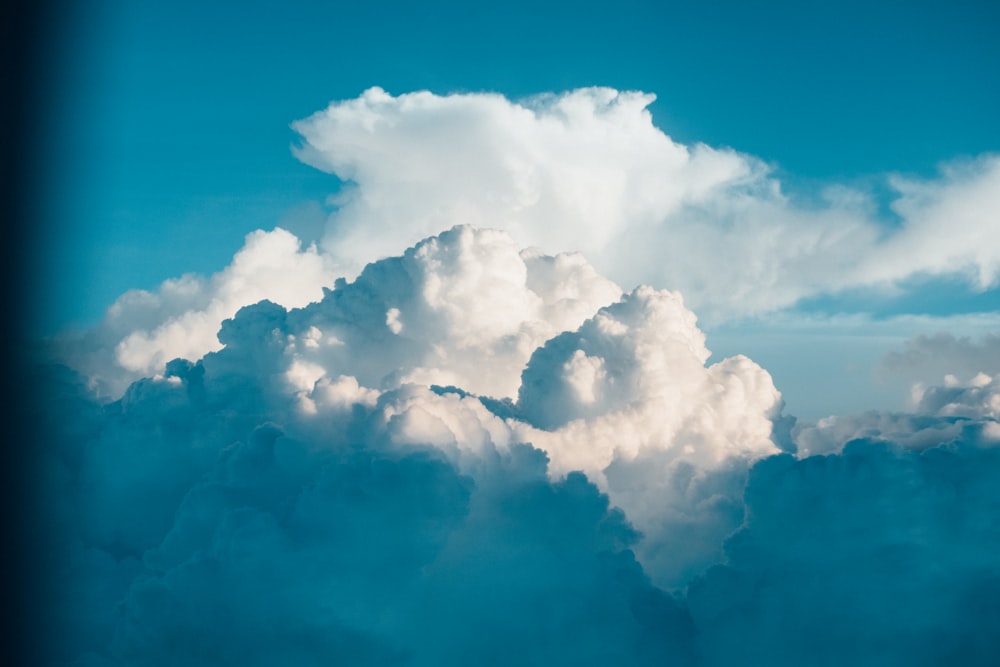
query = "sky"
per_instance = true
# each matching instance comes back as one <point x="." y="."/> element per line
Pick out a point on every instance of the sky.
<point x="671" y="329"/>
<point x="164" y="129"/>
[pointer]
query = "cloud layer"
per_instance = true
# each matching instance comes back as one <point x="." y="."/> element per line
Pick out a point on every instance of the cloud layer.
<point x="474" y="453"/>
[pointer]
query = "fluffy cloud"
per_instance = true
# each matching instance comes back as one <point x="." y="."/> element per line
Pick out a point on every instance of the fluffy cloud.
<point x="586" y="170"/>
<point x="978" y="397"/>
<point x="589" y="170"/>
<point x="954" y="394"/>
<point x="628" y="399"/>
<point x="590" y="490"/>
<point x="317" y="454"/>
<point x="634" y="377"/>
<point x="220" y="535"/>
<point x="589" y="161"/>
<point x="469" y="452"/>
<point x="143" y="330"/>
<point x="465" y="308"/>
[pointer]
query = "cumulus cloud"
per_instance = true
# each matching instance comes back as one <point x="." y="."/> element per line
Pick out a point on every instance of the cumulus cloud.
<point x="586" y="487"/>
<point x="977" y="397"/>
<point x="203" y="518"/>
<point x="943" y="406"/>
<point x="467" y="307"/>
<point x="589" y="161"/>
<point x="628" y="399"/>
<point x="470" y="452"/>
<point x="142" y="330"/>
<point x="588" y="170"/>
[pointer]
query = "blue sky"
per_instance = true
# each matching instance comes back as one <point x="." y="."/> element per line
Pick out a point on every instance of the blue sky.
<point x="755" y="419"/>
<point x="165" y="130"/>
<point x="165" y="126"/>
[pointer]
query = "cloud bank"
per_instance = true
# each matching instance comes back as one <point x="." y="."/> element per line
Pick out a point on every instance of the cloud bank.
<point x="469" y="451"/>
<point x="477" y="453"/>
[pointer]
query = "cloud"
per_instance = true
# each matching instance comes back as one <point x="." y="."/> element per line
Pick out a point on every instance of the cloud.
<point x="941" y="411"/>
<point x="411" y="526"/>
<point x="589" y="160"/>
<point x="928" y="358"/>
<point x="470" y="452"/>
<point x="203" y="518"/>
<point x="588" y="170"/>
<point x="628" y="399"/>
<point x="977" y="397"/>
<point x="627" y="388"/>
<point x="316" y="454"/>
<point x="949" y="225"/>
<point x="308" y="492"/>
<point x="879" y="555"/>
<point x="928" y="427"/>
<point x="143" y="330"/>
<point x="466" y="307"/>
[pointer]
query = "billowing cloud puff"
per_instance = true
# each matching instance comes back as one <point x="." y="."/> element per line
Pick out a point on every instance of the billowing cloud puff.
<point x="588" y="170"/>
<point x="628" y="399"/>
<point x="941" y="413"/>
<point x="627" y="388"/>
<point x="464" y="308"/>
<point x="978" y="397"/>
<point x="634" y="377"/>
<point x="143" y="330"/>
<point x="943" y="409"/>
<point x="467" y="307"/>
<point x="589" y="161"/>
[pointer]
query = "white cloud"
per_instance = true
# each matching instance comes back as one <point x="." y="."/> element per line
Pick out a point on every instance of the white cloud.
<point x="302" y="492"/>
<point x="588" y="170"/>
<point x="464" y="308"/>
<point x="602" y="381"/>
<point x="628" y="399"/>
<point x="271" y="265"/>
<point x="976" y="397"/>
<point x="143" y="330"/>
<point x="633" y="379"/>
<point x="950" y="225"/>
<point x="597" y="376"/>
